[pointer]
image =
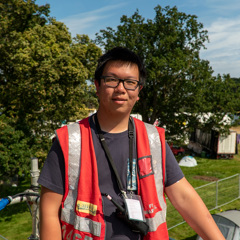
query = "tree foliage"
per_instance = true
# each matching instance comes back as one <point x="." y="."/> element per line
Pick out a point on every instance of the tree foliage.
<point x="179" y="84"/>
<point x="14" y="152"/>
<point x="43" y="71"/>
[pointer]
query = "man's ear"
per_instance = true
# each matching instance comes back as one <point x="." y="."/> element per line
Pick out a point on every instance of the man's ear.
<point x="139" y="89"/>
<point x="96" y="85"/>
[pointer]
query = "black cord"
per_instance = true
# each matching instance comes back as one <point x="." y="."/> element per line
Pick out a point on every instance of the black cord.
<point x="109" y="157"/>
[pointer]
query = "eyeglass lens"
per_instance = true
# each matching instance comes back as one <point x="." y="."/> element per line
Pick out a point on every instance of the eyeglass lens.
<point x="127" y="83"/>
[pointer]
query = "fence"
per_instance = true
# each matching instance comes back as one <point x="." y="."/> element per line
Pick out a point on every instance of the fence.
<point x="214" y="195"/>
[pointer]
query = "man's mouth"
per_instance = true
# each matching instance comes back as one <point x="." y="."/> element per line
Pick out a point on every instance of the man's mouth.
<point x="119" y="100"/>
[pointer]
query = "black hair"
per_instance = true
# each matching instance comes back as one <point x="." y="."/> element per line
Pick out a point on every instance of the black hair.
<point x="124" y="55"/>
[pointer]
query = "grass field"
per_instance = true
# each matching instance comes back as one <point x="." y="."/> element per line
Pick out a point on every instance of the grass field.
<point x="15" y="220"/>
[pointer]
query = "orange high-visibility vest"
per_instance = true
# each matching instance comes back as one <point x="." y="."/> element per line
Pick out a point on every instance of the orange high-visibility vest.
<point x="82" y="210"/>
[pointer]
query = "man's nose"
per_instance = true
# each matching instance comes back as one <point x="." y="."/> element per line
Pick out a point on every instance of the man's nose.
<point x="120" y="86"/>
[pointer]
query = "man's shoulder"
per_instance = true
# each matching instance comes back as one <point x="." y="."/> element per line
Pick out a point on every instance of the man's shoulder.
<point x="72" y="127"/>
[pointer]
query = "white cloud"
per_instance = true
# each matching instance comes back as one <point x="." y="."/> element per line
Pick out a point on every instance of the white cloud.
<point x="222" y="6"/>
<point x="88" y="22"/>
<point x="223" y="51"/>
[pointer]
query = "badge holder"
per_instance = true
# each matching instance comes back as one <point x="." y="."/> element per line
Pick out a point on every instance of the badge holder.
<point x="134" y="207"/>
<point x="133" y="214"/>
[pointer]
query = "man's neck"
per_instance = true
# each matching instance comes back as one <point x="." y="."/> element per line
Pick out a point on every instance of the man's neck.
<point x="113" y="124"/>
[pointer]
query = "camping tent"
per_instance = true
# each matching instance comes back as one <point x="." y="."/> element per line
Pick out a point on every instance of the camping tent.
<point x="188" y="161"/>
<point x="229" y="224"/>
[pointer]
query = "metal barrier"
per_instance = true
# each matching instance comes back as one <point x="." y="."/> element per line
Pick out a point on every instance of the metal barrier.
<point x="214" y="195"/>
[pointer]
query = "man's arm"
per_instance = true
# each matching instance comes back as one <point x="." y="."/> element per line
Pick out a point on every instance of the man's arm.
<point x="50" y="204"/>
<point x="189" y="204"/>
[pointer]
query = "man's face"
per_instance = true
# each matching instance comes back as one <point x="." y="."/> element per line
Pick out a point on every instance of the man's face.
<point x="118" y="100"/>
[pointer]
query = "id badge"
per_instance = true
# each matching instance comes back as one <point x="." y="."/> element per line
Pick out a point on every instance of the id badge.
<point x="134" y="207"/>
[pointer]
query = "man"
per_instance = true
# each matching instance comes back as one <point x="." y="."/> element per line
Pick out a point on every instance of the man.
<point x="105" y="177"/>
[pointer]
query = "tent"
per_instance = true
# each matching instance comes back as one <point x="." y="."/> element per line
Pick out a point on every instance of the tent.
<point x="188" y="161"/>
<point x="228" y="223"/>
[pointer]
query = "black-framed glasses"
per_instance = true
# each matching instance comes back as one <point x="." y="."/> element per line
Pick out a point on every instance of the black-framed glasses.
<point x="113" y="82"/>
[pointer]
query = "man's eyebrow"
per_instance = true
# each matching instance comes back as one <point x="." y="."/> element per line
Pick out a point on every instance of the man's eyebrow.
<point x="115" y="75"/>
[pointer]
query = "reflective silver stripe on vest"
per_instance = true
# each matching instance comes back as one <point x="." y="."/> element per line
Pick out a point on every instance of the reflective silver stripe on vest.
<point x="80" y="223"/>
<point x="74" y="156"/>
<point x="74" y="146"/>
<point x="156" y="152"/>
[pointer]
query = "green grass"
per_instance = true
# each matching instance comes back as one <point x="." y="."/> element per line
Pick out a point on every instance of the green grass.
<point x="16" y="225"/>
<point x="15" y="220"/>
<point x="211" y="168"/>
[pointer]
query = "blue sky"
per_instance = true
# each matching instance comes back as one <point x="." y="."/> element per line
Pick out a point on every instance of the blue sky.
<point x="220" y="17"/>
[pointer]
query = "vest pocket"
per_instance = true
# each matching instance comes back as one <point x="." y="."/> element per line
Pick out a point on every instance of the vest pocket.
<point x="145" y="168"/>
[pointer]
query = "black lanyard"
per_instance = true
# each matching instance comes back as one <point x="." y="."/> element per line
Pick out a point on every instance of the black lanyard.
<point x="109" y="157"/>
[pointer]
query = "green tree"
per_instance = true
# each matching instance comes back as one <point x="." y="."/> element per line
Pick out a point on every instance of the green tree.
<point x="14" y="152"/>
<point x="43" y="71"/>
<point x="237" y="90"/>
<point x="218" y="102"/>
<point x="236" y="80"/>
<point x="178" y="80"/>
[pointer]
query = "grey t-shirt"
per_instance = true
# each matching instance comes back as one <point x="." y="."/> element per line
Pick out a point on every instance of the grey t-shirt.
<point x="53" y="176"/>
